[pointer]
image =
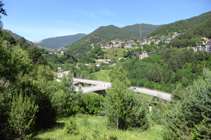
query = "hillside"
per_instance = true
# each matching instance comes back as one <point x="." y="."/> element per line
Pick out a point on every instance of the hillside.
<point x="62" y="41"/>
<point x="17" y="37"/>
<point x="179" y="26"/>
<point x="107" y="33"/>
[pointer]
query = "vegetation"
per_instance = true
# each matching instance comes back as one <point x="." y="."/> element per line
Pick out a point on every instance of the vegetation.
<point x="105" y="34"/>
<point x="99" y="125"/>
<point x="166" y="68"/>
<point x="179" y="26"/>
<point x="192" y="37"/>
<point x="31" y="101"/>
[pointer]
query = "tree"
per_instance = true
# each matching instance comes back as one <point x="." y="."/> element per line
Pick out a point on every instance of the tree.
<point x="2" y="11"/>
<point x="34" y="53"/>
<point x="122" y="106"/>
<point x="22" y="115"/>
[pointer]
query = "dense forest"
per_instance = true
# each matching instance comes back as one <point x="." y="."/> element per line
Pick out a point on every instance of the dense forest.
<point x="179" y="26"/>
<point x="192" y="37"/>
<point x="166" y="68"/>
<point x="108" y="33"/>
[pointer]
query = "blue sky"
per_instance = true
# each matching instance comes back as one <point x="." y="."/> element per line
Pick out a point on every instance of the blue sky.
<point x="40" y="19"/>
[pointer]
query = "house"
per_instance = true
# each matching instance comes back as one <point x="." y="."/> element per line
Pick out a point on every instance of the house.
<point x="136" y="54"/>
<point x="168" y="40"/>
<point x="98" y="64"/>
<point x="175" y="34"/>
<point x="204" y="47"/>
<point x="143" y="55"/>
<point x="62" y="53"/>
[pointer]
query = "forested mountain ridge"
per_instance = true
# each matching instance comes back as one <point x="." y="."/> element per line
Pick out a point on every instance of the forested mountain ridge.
<point x="16" y="36"/>
<point x="108" y="33"/>
<point x="62" y="41"/>
<point x="179" y="26"/>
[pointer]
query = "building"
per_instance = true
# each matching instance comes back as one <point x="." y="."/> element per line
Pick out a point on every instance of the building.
<point x="143" y="55"/>
<point x="204" y="47"/>
<point x="168" y="40"/>
<point x="62" y="53"/>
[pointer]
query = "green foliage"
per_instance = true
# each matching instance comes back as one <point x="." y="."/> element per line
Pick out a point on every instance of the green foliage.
<point x="179" y="26"/>
<point x="91" y="103"/>
<point x="108" y="33"/>
<point x="123" y="107"/>
<point x="192" y="37"/>
<point x="201" y="131"/>
<point x="175" y="124"/>
<point x="198" y="101"/>
<point x="71" y="127"/>
<point x="22" y="115"/>
<point x="96" y="134"/>
<point x="166" y="68"/>
<point x="113" y="136"/>
<point x="85" y="120"/>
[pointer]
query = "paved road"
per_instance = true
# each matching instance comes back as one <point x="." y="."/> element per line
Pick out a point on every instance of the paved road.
<point x="100" y="85"/>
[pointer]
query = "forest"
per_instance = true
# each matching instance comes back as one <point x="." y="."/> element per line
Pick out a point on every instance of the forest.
<point x="108" y="33"/>
<point x="167" y="68"/>
<point x="179" y="26"/>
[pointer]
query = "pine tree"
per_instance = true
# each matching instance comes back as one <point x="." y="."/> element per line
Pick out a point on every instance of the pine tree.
<point x="123" y="108"/>
<point x="22" y="115"/>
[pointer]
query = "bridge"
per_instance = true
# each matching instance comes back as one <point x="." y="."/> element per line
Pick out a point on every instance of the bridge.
<point x="100" y="86"/>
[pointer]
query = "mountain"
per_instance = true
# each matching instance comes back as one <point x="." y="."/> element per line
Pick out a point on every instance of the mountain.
<point x="16" y="36"/>
<point x="108" y="33"/>
<point x="62" y="41"/>
<point x="32" y="40"/>
<point x="179" y="26"/>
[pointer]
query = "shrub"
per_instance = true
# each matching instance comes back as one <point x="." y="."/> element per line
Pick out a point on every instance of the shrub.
<point x="71" y="127"/>
<point x="22" y="115"/>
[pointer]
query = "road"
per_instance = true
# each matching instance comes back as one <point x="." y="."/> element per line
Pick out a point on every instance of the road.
<point x="101" y="85"/>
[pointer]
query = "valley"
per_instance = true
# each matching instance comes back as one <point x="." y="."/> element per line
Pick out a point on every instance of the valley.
<point x="117" y="81"/>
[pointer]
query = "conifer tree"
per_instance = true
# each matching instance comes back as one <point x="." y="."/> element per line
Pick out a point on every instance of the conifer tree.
<point x="124" y="108"/>
<point x="22" y="115"/>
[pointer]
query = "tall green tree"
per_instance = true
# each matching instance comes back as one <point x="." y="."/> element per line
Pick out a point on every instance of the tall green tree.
<point x="122" y="106"/>
<point x="22" y="115"/>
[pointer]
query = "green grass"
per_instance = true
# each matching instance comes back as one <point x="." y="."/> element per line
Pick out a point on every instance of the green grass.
<point x="147" y="97"/>
<point x="96" y="123"/>
<point x="103" y="75"/>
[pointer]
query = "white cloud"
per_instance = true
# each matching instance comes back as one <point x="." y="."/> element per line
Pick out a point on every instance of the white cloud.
<point x="87" y="13"/>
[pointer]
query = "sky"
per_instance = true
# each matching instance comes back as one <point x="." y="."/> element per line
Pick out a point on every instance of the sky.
<point x="41" y="19"/>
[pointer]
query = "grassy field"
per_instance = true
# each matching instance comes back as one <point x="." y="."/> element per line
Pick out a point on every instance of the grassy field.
<point x="103" y="75"/>
<point x="115" y="53"/>
<point x="96" y="124"/>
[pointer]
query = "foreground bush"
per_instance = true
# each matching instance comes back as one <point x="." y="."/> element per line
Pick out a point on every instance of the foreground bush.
<point x="71" y="127"/>
<point x="124" y="108"/>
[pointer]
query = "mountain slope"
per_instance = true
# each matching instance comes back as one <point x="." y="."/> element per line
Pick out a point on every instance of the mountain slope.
<point x="179" y="26"/>
<point x="108" y="33"/>
<point x="62" y="41"/>
<point x="16" y="36"/>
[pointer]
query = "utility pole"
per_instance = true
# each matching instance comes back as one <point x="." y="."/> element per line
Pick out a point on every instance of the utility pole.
<point x="140" y="30"/>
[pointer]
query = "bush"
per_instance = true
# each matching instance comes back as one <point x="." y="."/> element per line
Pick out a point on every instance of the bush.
<point x="22" y="116"/>
<point x="71" y="127"/>
<point x="91" y="103"/>
<point x="201" y="131"/>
